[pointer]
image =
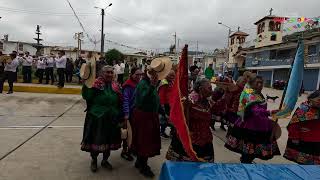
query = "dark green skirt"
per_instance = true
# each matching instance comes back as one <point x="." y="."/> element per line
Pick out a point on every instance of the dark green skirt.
<point x="101" y="134"/>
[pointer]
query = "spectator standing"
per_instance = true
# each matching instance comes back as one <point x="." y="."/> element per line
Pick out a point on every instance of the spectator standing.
<point x="209" y="72"/>
<point x="69" y="70"/>
<point x="119" y="70"/>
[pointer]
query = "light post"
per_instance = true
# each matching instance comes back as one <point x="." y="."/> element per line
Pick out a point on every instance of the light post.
<point x="229" y="33"/>
<point x="102" y="27"/>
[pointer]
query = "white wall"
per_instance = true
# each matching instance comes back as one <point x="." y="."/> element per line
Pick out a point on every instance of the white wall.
<point x="11" y="46"/>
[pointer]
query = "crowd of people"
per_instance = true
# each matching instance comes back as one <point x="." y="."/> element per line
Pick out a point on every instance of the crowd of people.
<point x="136" y="113"/>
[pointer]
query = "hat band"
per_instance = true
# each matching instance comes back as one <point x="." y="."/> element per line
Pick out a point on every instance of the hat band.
<point x="164" y="66"/>
<point x="88" y="76"/>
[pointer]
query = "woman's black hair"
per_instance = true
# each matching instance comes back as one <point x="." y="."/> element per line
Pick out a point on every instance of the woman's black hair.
<point x="200" y="83"/>
<point x="133" y="70"/>
<point x="313" y="95"/>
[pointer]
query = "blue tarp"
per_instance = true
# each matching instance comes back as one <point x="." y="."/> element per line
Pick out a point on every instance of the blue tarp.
<point x="204" y="171"/>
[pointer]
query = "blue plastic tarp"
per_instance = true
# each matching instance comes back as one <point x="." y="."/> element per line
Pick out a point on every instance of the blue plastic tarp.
<point x="204" y="171"/>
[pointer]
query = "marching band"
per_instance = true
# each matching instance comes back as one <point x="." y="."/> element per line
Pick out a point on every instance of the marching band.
<point x="45" y="66"/>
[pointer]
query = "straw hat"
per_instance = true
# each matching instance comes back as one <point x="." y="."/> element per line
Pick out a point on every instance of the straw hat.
<point x="161" y="66"/>
<point x="88" y="72"/>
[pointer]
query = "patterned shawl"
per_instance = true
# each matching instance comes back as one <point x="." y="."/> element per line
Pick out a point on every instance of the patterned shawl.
<point x="305" y="113"/>
<point x="248" y="98"/>
<point x="100" y="84"/>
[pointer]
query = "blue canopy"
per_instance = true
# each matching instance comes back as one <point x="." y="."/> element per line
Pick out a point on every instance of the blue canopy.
<point x="203" y="171"/>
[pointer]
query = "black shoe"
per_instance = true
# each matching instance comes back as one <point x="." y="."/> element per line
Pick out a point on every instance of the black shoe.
<point x="9" y="92"/>
<point x="137" y="165"/>
<point x="127" y="156"/>
<point x="146" y="171"/>
<point x="94" y="165"/>
<point x="106" y="164"/>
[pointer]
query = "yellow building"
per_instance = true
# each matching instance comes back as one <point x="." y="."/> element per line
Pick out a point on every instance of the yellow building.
<point x="269" y="31"/>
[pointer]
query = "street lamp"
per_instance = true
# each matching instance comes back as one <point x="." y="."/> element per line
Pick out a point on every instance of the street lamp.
<point x="102" y="28"/>
<point x="229" y="33"/>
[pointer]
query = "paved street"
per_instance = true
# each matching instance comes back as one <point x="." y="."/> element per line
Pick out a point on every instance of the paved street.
<point x="40" y="138"/>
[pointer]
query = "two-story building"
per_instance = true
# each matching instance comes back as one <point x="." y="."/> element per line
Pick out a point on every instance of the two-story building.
<point x="272" y="54"/>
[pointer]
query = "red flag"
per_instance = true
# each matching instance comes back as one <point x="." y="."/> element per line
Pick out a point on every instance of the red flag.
<point x="177" y="115"/>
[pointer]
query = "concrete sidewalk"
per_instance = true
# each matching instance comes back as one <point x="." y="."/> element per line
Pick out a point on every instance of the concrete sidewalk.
<point x="42" y="88"/>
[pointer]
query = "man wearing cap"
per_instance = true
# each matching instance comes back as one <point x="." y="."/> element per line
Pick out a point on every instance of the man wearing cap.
<point x="10" y="70"/>
<point x="49" y="69"/>
<point x="26" y="67"/>
<point x="61" y="62"/>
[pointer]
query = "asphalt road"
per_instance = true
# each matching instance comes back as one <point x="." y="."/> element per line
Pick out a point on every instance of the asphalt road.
<point x="40" y="137"/>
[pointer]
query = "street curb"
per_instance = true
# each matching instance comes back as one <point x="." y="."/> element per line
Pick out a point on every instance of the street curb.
<point x="42" y="89"/>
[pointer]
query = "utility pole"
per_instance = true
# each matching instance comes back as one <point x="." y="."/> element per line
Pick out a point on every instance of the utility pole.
<point x="197" y="51"/>
<point x="175" y="42"/>
<point x="78" y="36"/>
<point x="102" y="29"/>
<point x="102" y="34"/>
<point x="38" y="46"/>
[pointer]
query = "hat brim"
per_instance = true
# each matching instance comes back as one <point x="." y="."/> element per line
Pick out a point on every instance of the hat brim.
<point x="167" y="68"/>
<point x="88" y="77"/>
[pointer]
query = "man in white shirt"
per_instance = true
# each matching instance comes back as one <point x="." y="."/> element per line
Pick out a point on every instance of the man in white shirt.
<point x="10" y="70"/>
<point x="41" y="66"/>
<point x="49" y="68"/>
<point x="61" y="62"/>
<point x="119" y="71"/>
<point x="26" y="67"/>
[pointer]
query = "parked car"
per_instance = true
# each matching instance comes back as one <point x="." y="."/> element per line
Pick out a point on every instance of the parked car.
<point x="279" y="84"/>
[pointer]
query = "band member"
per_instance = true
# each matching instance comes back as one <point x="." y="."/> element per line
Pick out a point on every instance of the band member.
<point x="61" y="62"/>
<point x="41" y="66"/>
<point x="10" y="73"/>
<point x="49" y="69"/>
<point x="2" y="64"/>
<point x="26" y="67"/>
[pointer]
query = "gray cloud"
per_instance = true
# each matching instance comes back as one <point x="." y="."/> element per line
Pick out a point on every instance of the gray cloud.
<point x="152" y="23"/>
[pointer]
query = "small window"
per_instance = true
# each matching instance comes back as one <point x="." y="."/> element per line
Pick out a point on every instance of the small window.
<point x="273" y="54"/>
<point x="83" y="52"/>
<point x="278" y="26"/>
<point x="20" y="47"/>
<point x="232" y="41"/>
<point x="312" y="50"/>
<point x="271" y="26"/>
<point x="1" y="46"/>
<point x="273" y="37"/>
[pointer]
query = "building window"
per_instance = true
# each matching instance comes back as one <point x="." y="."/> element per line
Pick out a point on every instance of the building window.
<point x="261" y="28"/>
<point x="278" y="26"/>
<point x="273" y="54"/>
<point x="232" y="41"/>
<point x="312" y="50"/>
<point x="271" y="26"/>
<point x="20" y="47"/>
<point x="284" y="54"/>
<point x="83" y="52"/>
<point x="1" y="46"/>
<point x="273" y="37"/>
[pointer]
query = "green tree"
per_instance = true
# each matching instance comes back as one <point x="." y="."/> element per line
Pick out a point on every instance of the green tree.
<point x="114" y="55"/>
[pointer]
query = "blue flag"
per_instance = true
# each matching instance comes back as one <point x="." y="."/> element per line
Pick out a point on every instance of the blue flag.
<point x="294" y="84"/>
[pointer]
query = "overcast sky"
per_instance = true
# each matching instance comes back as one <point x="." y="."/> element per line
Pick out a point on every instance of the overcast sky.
<point x="146" y="24"/>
